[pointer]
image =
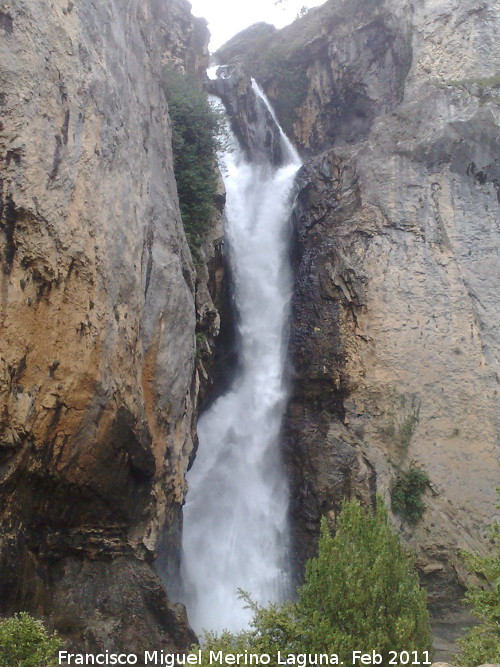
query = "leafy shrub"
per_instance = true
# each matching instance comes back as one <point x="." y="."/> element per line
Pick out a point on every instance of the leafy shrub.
<point x="481" y="644"/>
<point x="359" y="591"/>
<point x="406" y="494"/>
<point x="24" y="642"/>
<point x="197" y="131"/>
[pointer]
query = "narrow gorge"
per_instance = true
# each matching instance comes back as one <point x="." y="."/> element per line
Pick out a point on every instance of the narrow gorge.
<point x="236" y="533"/>
<point x="333" y="333"/>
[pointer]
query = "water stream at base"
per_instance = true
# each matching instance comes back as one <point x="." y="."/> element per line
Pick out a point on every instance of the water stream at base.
<point x="235" y="517"/>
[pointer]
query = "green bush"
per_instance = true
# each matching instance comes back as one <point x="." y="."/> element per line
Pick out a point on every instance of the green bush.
<point x="406" y="494"/>
<point x="197" y="134"/>
<point x="481" y="644"/>
<point x="24" y="642"/>
<point x="360" y="592"/>
<point x="201" y="345"/>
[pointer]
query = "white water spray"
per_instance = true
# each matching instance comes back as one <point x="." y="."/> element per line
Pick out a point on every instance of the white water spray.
<point x="235" y="518"/>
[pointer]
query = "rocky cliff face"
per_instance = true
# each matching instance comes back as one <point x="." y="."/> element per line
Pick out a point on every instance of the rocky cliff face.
<point x="395" y="325"/>
<point x="250" y="119"/>
<point x="98" y="291"/>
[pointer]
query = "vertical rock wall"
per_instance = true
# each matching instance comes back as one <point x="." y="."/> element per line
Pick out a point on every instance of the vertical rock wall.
<point x="97" y="291"/>
<point x="395" y="332"/>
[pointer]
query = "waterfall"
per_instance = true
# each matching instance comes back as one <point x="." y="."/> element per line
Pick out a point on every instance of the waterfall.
<point x="235" y="517"/>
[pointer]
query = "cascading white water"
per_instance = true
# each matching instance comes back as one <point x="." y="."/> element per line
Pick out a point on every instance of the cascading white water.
<point x="235" y="518"/>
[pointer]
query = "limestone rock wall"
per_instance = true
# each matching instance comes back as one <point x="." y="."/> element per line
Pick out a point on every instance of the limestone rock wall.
<point x="395" y="330"/>
<point x="97" y="287"/>
<point x="182" y="38"/>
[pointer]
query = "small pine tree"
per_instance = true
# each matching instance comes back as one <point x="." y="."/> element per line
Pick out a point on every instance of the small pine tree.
<point x="481" y="644"/>
<point x="361" y="589"/>
<point x="360" y="592"/>
<point x="24" y="642"/>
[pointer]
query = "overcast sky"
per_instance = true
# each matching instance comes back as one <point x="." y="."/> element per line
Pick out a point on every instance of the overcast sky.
<point x="227" y="17"/>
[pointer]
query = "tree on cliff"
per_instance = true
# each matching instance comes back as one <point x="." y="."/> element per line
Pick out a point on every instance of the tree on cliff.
<point x="359" y="592"/>
<point x="197" y="134"/>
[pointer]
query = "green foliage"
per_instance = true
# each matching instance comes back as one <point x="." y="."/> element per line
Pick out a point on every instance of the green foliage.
<point x="481" y="644"/>
<point x="197" y="129"/>
<point x="24" y="642"/>
<point x="406" y="494"/>
<point x="201" y="345"/>
<point x="273" y="628"/>
<point x="359" y="591"/>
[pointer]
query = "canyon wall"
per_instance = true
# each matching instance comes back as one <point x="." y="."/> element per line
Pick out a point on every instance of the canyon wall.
<point x="99" y="302"/>
<point x="395" y="328"/>
<point x="394" y="336"/>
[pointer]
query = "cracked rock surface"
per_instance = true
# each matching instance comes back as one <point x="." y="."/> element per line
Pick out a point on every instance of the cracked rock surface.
<point x="395" y="327"/>
<point x="97" y="296"/>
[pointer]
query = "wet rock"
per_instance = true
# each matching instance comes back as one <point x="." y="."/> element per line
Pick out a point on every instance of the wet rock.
<point x="99" y="300"/>
<point x="332" y="72"/>
<point x="251" y="121"/>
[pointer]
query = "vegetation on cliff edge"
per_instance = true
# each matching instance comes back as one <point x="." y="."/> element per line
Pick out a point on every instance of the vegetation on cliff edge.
<point x="406" y="494"/>
<point x="197" y="128"/>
